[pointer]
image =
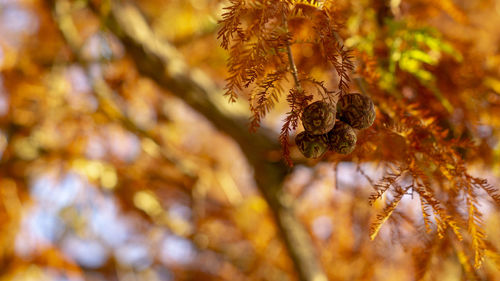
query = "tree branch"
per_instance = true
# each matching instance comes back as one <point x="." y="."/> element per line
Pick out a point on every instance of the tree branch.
<point x="104" y="94"/>
<point x="162" y="63"/>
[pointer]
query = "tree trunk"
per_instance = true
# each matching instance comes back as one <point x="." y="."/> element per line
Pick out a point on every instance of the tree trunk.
<point x="162" y="63"/>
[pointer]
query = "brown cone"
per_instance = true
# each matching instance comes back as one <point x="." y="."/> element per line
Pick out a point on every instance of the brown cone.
<point x="318" y="118"/>
<point x="356" y="110"/>
<point x="342" y="139"/>
<point x="311" y="146"/>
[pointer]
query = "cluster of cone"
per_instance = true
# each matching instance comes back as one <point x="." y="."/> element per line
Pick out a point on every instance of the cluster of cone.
<point x="323" y="132"/>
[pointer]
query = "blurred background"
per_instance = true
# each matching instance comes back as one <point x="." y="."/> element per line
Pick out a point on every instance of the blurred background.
<point x="105" y="175"/>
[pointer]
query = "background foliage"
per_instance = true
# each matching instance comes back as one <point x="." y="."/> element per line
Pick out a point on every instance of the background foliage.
<point x="121" y="159"/>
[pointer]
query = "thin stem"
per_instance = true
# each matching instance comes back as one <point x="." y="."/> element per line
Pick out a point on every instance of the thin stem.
<point x="290" y="58"/>
<point x="361" y="85"/>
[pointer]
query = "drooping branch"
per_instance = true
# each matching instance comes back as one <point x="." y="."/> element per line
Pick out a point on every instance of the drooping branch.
<point x="162" y="63"/>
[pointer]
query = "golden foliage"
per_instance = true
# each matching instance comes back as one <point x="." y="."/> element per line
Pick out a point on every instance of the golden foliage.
<point x="95" y="155"/>
<point x="258" y="39"/>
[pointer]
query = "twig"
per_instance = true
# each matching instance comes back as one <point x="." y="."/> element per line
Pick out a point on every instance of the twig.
<point x="360" y="82"/>
<point x="293" y="66"/>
